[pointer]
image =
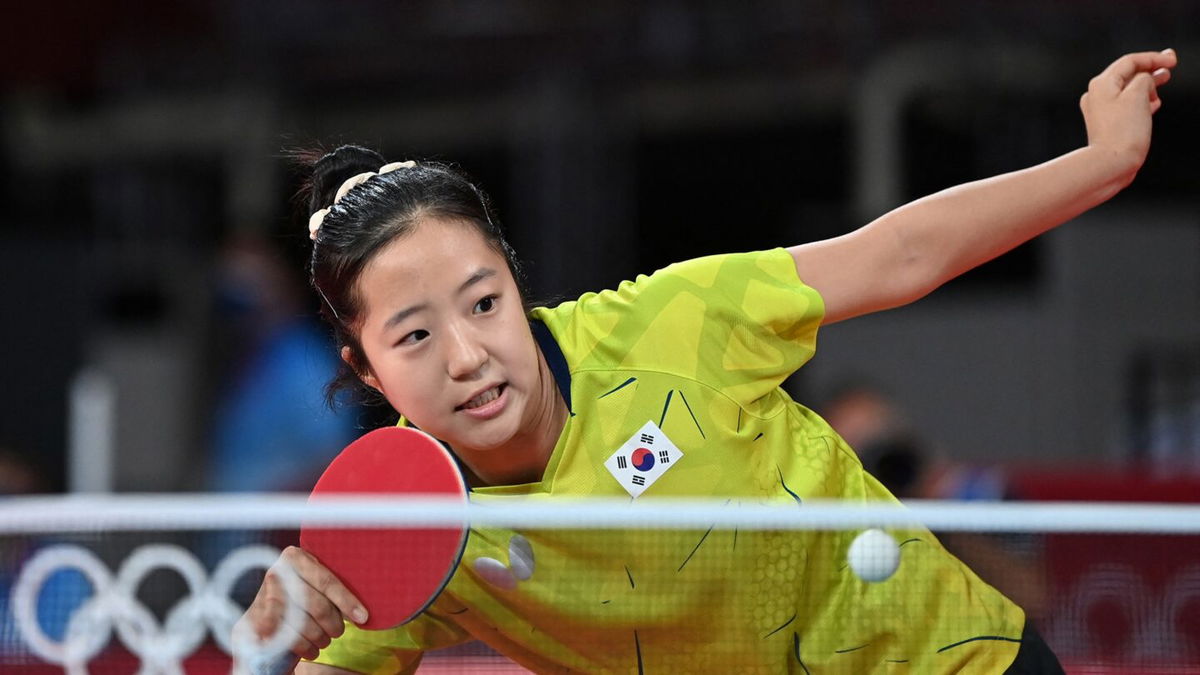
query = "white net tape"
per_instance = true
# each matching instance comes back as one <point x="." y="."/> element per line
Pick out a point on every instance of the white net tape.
<point x="217" y="512"/>
<point x="208" y="607"/>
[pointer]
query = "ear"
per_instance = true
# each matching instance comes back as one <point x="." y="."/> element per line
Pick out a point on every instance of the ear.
<point x="365" y="375"/>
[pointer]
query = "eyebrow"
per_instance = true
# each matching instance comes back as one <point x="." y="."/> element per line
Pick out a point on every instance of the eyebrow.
<point x="479" y="275"/>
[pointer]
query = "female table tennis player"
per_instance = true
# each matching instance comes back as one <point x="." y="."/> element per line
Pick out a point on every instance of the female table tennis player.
<point x="423" y="293"/>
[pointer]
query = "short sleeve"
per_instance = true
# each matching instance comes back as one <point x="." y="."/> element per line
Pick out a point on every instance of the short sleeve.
<point x="398" y="650"/>
<point x="741" y="323"/>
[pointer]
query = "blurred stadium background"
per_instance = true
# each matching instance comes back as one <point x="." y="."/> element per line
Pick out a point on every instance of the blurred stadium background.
<point x="143" y="143"/>
<point x="151" y="254"/>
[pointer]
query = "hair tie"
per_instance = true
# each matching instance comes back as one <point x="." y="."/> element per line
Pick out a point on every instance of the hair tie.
<point x="318" y="217"/>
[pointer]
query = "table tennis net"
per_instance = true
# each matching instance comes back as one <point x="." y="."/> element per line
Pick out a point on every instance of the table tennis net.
<point x="155" y="584"/>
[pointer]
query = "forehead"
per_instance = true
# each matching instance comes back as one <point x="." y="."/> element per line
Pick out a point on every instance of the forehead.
<point x="431" y="261"/>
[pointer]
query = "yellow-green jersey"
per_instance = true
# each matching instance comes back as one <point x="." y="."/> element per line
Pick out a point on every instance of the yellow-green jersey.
<point x="673" y="385"/>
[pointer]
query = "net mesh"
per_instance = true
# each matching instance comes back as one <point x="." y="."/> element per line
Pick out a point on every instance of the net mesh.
<point x="125" y="585"/>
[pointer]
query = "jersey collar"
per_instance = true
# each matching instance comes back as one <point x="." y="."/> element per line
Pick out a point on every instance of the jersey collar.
<point x="554" y="359"/>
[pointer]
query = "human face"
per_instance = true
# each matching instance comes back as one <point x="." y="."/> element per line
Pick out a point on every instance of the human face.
<point x="447" y="341"/>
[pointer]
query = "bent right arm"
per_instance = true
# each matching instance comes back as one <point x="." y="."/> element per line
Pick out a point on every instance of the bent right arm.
<point x="909" y="251"/>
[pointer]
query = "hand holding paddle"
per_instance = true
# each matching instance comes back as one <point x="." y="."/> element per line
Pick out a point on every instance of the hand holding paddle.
<point x="396" y="571"/>
<point x="376" y="577"/>
<point x="326" y="604"/>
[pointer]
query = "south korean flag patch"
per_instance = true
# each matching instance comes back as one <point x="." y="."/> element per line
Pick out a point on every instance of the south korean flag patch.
<point x="639" y="462"/>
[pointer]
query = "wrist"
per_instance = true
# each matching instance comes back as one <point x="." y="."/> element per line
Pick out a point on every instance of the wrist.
<point x="1115" y="167"/>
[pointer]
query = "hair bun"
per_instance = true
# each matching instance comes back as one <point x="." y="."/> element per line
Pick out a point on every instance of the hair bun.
<point x="332" y="169"/>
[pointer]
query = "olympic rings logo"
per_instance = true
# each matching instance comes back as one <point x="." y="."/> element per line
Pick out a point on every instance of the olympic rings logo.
<point x="114" y="605"/>
<point x="1154" y="619"/>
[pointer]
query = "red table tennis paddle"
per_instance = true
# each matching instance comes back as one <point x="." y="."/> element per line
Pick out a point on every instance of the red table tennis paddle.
<point x="395" y="571"/>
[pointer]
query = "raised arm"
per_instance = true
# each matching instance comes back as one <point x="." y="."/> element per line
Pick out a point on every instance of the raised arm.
<point x="906" y="253"/>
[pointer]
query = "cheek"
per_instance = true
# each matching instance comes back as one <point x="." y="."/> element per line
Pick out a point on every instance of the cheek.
<point x="521" y="351"/>
<point x="512" y="335"/>
<point x="403" y="385"/>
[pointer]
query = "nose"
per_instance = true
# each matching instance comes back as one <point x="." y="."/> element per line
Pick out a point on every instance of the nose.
<point x="466" y="354"/>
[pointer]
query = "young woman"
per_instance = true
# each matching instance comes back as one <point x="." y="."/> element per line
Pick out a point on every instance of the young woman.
<point x="424" y="295"/>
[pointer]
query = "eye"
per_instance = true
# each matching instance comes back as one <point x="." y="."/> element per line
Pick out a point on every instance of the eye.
<point x="486" y="305"/>
<point x="414" y="337"/>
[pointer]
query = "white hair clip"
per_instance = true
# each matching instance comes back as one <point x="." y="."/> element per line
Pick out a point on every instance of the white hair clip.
<point x="318" y="217"/>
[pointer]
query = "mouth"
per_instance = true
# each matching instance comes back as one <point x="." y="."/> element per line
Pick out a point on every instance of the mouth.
<point x="484" y="397"/>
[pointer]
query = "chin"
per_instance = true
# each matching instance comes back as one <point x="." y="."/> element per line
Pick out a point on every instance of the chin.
<point x="488" y="436"/>
<point x="487" y="442"/>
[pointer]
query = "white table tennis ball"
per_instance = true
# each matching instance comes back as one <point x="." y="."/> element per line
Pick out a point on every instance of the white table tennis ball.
<point x="874" y="555"/>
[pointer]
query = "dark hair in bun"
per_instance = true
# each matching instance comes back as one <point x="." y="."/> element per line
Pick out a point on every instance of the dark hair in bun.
<point x="370" y="216"/>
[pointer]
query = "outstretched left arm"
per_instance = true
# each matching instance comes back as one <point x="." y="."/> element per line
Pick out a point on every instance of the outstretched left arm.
<point x="908" y="252"/>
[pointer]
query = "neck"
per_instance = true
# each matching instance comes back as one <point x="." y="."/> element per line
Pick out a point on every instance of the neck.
<point x="524" y="458"/>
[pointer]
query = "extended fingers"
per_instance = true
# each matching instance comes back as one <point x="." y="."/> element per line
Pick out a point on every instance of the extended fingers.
<point x="319" y="578"/>
<point x="1122" y="71"/>
<point x="316" y="629"/>
<point x="302" y="646"/>
<point x="327" y="585"/>
<point x="308" y="633"/>
<point x="323" y="599"/>
<point x="324" y="620"/>
<point x="327" y="601"/>
<point x="305" y="636"/>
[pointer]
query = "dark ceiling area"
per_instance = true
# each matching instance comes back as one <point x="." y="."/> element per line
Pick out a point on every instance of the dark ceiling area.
<point x="615" y="137"/>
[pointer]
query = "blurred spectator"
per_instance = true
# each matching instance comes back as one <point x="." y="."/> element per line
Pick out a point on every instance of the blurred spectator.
<point x="18" y="476"/>
<point x="892" y="451"/>
<point x="272" y="429"/>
